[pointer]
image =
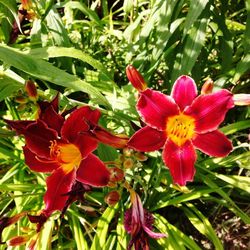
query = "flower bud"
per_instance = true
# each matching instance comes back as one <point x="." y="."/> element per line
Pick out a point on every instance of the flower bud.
<point x="207" y="87"/>
<point x="18" y="240"/>
<point x="116" y="174"/>
<point x="117" y="141"/>
<point x="241" y="99"/>
<point x="21" y="99"/>
<point x="136" y="78"/>
<point x="112" y="198"/>
<point x="31" y="90"/>
<point x="127" y="152"/>
<point x="140" y="156"/>
<point x="128" y="163"/>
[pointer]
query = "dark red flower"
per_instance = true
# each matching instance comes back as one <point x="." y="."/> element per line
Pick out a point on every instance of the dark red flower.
<point x="63" y="147"/>
<point x="180" y="123"/>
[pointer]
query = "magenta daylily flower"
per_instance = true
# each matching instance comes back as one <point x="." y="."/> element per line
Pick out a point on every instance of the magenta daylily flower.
<point x="181" y="123"/>
<point x="138" y="222"/>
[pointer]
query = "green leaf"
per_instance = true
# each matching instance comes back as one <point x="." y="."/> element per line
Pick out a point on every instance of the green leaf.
<point x="242" y="67"/>
<point x="192" y="48"/>
<point x="228" y="201"/>
<point x="88" y="12"/>
<point x="19" y="187"/>
<point x="81" y="243"/>
<point x="9" y="82"/>
<point x="202" y="224"/>
<point x="12" y="6"/>
<point x="102" y="228"/>
<point x="174" y="235"/>
<point x="235" y="127"/>
<point x="56" y="28"/>
<point x="45" y="236"/>
<point x="46" y="71"/>
<point x="182" y="198"/>
<point x="106" y="153"/>
<point x="195" y="9"/>
<point x="242" y="182"/>
<point x="45" y="53"/>
<point x="122" y="241"/>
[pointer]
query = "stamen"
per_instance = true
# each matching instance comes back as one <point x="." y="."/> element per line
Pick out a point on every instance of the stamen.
<point x="180" y="128"/>
<point x="44" y="161"/>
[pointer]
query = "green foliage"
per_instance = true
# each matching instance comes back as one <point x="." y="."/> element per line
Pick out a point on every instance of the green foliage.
<point x="81" y="49"/>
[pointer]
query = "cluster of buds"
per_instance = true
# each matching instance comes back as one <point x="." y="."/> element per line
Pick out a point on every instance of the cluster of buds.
<point x="127" y="160"/>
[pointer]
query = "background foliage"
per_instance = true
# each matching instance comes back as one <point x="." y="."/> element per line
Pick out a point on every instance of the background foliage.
<point x="81" y="49"/>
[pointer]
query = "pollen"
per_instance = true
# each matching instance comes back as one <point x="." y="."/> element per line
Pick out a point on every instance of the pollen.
<point x="180" y="128"/>
<point x="66" y="154"/>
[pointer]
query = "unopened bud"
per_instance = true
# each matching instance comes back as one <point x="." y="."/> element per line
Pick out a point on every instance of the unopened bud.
<point x="31" y="90"/>
<point x="18" y="240"/>
<point x="117" y="141"/>
<point x="112" y="198"/>
<point x="136" y="78"/>
<point x="116" y="174"/>
<point x="140" y="156"/>
<point x="127" y="152"/>
<point x="207" y="87"/>
<point x="21" y="99"/>
<point x="128" y="163"/>
<point x="241" y="99"/>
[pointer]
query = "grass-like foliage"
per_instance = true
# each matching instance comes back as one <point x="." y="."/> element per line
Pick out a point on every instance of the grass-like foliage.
<point x="89" y="160"/>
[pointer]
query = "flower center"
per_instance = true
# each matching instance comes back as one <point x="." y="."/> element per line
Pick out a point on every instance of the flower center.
<point x="180" y="128"/>
<point x="66" y="154"/>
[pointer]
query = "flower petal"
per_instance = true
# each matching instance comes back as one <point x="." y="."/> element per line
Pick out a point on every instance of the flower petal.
<point x="153" y="234"/>
<point x="79" y="120"/>
<point x="38" y="164"/>
<point x="52" y="119"/>
<point x="180" y="161"/>
<point x="54" y="104"/>
<point x="210" y="110"/>
<point x="147" y="139"/>
<point x="58" y="184"/>
<point x="214" y="143"/>
<point x="184" y="91"/>
<point x="102" y="135"/>
<point x="155" y="108"/>
<point x="19" y="126"/>
<point x="92" y="171"/>
<point x="38" y="138"/>
<point x="86" y="144"/>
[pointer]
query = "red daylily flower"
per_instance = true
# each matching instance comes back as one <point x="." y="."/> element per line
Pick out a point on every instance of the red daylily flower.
<point x="64" y="147"/>
<point x="181" y="123"/>
<point x="139" y="223"/>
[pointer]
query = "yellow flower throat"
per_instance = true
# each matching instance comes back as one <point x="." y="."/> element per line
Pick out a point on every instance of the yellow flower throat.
<point x="68" y="155"/>
<point x="180" y="128"/>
